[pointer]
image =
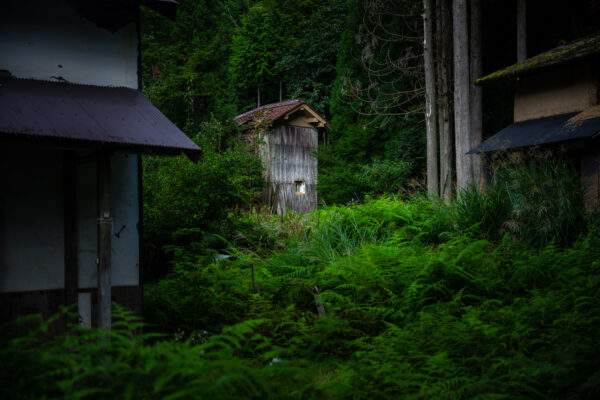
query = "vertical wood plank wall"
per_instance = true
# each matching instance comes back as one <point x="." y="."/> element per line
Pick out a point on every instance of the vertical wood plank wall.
<point x="288" y="155"/>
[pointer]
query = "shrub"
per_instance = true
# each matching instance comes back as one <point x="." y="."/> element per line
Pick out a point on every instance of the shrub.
<point x="539" y="203"/>
<point x="385" y="176"/>
<point x="180" y="194"/>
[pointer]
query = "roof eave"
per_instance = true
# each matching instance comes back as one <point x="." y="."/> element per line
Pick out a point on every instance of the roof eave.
<point x="580" y="49"/>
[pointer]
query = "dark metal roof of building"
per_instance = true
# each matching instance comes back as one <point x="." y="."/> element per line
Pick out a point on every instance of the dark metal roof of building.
<point x="581" y="48"/>
<point x="557" y="128"/>
<point x="87" y="115"/>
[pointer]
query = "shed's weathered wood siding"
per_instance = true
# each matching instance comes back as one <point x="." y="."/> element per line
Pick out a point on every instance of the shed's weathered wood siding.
<point x="288" y="155"/>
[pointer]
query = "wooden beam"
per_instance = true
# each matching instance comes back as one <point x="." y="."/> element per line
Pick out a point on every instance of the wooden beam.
<point x="70" y="227"/>
<point x="140" y="230"/>
<point x="104" y="245"/>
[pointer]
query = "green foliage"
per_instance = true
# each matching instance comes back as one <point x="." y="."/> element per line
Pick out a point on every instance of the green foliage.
<point x="493" y="296"/>
<point x="257" y="44"/>
<point x="183" y="72"/>
<point x="187" y="201"/>
<point x="374" y="103"/>
<point x="90" y="364"/>
<point x="209" y="62"/>
<point x="417" y="307"/>
<point x="539" y="203"/>
<point x="179" y="193"/>
<point x="308" y="65"/>
<point x="385" y="176"/>
<point x="363" y="152"/>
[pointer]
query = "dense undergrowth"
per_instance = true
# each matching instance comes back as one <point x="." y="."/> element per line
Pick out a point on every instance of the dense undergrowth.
<point x="476" y="299"/>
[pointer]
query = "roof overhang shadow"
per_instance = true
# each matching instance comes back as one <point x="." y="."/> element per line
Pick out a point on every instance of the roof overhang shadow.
<point x="557" y="128"/>
<point x="84" y="116"/>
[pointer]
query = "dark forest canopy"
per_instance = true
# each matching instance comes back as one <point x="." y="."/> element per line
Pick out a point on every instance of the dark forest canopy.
<point x="358" y="62"/>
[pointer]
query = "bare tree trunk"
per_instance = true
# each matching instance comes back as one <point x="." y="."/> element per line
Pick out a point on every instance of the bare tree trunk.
<point x="280" y="92"/>
<point x="475" y="73"/>
<point x="462" y="115"/>
<point x="521" y="30"/>
<point x="444" y="60"/>
<point x="258" y="96"/>
<point x="433" y="182"/>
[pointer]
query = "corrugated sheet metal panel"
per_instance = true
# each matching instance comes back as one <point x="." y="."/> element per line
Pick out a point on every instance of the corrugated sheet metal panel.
<point x="556" y="128"/>
<point x="118" y="116"/>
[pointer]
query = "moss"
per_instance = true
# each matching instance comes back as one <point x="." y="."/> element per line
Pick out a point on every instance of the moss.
<point x="558" y="55"/>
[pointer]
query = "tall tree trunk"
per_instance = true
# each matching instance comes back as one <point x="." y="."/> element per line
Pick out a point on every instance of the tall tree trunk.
<point x="433" y="182"/>
<point x="475" y="73"/>
<point x="280" y="91"/>
<point x="444" y="60"/>
<point x="521" y="30"/>
<point x="257" y="96"/>
<point x="462" y="88"/>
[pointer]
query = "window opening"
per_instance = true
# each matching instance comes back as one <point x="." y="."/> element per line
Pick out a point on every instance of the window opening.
<point x="300" y="188"/>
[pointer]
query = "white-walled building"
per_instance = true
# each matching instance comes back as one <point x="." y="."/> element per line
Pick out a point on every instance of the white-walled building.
<point x="73" y="122"/>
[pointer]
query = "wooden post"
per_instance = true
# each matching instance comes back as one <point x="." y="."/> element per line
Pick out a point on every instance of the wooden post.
<point x="433" y="181"/>
<point x="104" y="246"/>
<point x="70" y="227"/>
<point x="521" y="30"/>
<point x="462" y="113"/>
<point x="476" y="69"/>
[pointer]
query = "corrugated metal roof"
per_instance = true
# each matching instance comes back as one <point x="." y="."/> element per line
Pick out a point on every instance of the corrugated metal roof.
<point x="581" y="48"/>
<point x="120" y="117"/>
<point x="557" y="128"/>
<point x="269" y="112"/>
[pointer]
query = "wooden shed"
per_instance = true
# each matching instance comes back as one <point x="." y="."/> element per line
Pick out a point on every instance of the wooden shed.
<point x="73" y="123"/>
<point x="556" y="102"/>
<point x="287" y="137"/>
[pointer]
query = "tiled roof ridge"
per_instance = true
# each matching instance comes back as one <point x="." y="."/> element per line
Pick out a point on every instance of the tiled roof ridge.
<point x="248" y="114"/>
